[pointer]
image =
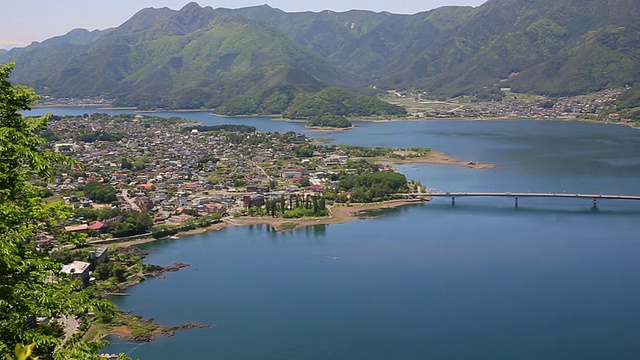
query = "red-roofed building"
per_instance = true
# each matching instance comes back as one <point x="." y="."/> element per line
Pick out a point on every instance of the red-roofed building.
<point x="146" y="186"/>
<point x="119" y="176"/>
<point x="100" y="226"/>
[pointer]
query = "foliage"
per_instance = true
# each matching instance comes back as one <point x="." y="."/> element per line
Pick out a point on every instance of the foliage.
<point x="25" y="292"/>
<point x="267" y="102"/>
<point x="630" y="98"/>
<point x="261" y="60"/>
<point x="90" y="214"/>
<point x="92" y="136"/>
<point x="338" y="102"/>
<point x="109" y="269"/>
<point x="62" y="256"/>
<point x="208" y="158"/>
<point x="22" y="352"/>
<point x="326" y="107"/>
<point x="292" y="206"/>
<point x="101" y="193"/>
<point x="161" y="231"/>
<point x="136" y="164"/>
<point x="168" y="64"/>
<point x="131" y="223"/>
<point x="628" y="104"/>
<point x="329" y="121"/>
<point x="369" y="184"/>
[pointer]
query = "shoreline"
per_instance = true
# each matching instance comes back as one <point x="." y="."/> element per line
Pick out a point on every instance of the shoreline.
<point x="215" y="227"/>
<point x="338" y="214"/>
<point x="327" y="129"/>
<point x="507" y="118"/>
<point x="277" y="117"/>
<point x="436" y="158"/>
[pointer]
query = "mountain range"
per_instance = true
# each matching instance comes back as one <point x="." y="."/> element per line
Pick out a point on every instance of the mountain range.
<point x="204" y="57"/>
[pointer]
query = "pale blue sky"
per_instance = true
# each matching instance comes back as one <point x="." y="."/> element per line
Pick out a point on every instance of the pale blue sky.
<point x="25" y="21"/>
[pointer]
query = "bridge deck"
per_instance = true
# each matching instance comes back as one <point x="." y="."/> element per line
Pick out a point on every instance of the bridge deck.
<point x="528" y="194"/>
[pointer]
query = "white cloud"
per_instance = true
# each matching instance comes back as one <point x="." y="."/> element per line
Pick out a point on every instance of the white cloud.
<point x="8" y="44"/>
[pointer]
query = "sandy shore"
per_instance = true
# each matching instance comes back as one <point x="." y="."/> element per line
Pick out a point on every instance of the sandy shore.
<point x="122" y="332"/>
<point x="327" y="129"/>
<point x="338" y="215"/>
<point x="214" y="227"/>
<point x="436" y="157"/>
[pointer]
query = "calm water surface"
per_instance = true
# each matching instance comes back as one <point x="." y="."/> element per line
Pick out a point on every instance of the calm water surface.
<point x="552" y="279"/>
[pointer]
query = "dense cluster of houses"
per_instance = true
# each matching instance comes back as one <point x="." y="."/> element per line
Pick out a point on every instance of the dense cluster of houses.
<point x="159" y="167"/>
<point x="517" y="106"/>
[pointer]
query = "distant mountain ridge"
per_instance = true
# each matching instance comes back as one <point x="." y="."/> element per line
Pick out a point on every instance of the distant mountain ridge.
<point x="203" y="57"/>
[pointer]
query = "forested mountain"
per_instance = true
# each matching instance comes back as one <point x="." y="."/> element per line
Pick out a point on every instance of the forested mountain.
<point x="561" y="47"/>
<point x="199" y="57"/>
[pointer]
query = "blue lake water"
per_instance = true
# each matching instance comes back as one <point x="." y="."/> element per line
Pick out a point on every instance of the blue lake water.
<point x="552" y="279"/>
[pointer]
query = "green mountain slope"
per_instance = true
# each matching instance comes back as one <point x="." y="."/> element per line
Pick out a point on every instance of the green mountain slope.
<point x="279" y="91"/>
<point x="628" y="105"/>
<point x="549" y="47"/>
<point x="553" y="47"/>
<point x="333" y="101"/>
<point x="295" y="102"/>
<point x="195" y="57"/>
<point x="369" y="44"/>
<point x="205" y="57"/>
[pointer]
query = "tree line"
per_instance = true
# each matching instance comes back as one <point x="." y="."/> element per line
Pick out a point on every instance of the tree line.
<point x="295" y="206"/>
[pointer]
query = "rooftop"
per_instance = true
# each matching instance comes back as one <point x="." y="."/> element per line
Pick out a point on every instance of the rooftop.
<point x="76" y="267"/>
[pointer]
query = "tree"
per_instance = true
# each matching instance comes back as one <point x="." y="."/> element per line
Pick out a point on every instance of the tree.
<point x="120" y="273"/>
<point x="304" y="182"/>
<point x="25" y="289"/>
<point x="103" y="271"/>
<point x="100" y="192"/>
<point x="131" y="223"/>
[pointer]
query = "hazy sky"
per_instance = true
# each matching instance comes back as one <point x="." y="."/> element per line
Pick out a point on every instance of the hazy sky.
<point x="25" y="21"/>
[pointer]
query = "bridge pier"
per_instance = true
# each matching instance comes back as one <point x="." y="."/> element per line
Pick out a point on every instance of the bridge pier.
<point x="516" y="195"/>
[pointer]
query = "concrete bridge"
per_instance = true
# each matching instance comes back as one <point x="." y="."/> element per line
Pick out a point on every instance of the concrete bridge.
<point x="516" y="195"/>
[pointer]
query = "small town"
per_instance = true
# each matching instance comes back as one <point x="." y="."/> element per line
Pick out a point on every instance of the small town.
<point x="175" y="172"/>
<point x="598" y="106"/>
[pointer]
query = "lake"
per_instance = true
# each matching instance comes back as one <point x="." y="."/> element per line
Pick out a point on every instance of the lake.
<point x="552" y="279"/>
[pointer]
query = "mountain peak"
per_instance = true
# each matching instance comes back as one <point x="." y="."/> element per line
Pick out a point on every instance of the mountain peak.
<point x="144" y="19"/>
<point x="188" y="19"/>
<point x="192" y="6"/>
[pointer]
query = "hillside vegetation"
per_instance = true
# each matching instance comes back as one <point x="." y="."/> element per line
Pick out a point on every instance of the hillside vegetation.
<point x="260" y="59"/>
<point x="333" y="101"/>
